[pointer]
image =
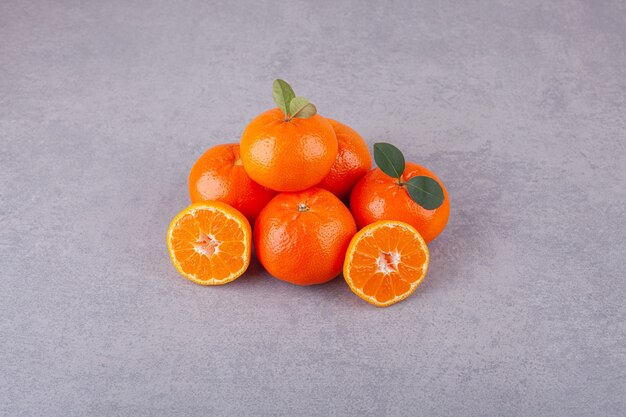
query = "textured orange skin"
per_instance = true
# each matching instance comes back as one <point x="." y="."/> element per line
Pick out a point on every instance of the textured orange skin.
<point x="378" y="196"/>
<point x="352" y="162"/>
<point x="218" y="175"/>
<point x="288" y="156"/>
<point x="303" y="248"/>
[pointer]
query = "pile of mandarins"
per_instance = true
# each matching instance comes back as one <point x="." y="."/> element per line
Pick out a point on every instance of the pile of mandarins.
<point x="292" y="177"/>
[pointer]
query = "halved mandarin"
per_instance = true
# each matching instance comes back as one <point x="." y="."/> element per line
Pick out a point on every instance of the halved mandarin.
<point x="210" y="243"/>
<point x="385" y="262"/>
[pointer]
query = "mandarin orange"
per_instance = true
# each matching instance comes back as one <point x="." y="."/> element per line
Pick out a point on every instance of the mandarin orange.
<point x="377" y="196"/>
<point x="288" y="154"/>
<point x="219" y="175"/>
<point x="302" y="237"/>
<point x="385" y="262"/>
<point x="352" y="162"/>
<point x="210" y="243"/>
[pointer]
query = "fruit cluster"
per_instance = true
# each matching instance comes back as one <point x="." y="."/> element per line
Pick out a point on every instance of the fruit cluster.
<point x="293" y="176"/>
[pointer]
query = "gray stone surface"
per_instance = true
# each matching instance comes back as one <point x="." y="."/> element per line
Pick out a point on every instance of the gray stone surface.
<point x="520" y="107"/>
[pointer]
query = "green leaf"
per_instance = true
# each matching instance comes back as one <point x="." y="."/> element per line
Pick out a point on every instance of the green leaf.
<point x="302" y="108"/>
<point x="425" y="191"/>
<point x="283" y="94"/>
<point x="389" y="159"/>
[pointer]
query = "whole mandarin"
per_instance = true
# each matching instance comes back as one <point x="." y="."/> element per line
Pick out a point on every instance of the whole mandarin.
<point x="288" y="155"/>
<point x="219" y="175"/>
<point x="302" y="237"/>
<point x="377" y="196"/>
<point x="352" y="163"/>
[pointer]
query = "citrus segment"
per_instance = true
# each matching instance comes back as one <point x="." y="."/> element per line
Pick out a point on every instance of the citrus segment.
<point x="210" y="243"/>
<point x="385" y="262"/>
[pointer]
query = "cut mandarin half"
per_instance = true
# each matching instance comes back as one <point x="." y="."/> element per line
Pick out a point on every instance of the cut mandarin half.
<point x="385" y="262"/>
<point x="210" y="243"/>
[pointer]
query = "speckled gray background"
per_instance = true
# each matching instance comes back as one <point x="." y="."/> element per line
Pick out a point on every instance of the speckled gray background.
<point x="520" y="107"/>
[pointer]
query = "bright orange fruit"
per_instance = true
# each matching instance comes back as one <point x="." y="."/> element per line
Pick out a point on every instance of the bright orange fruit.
<point x="210" y="243"/>
<point x="219" y="175"/>
<point x="352" y="162"/>
<point x="377" y="196"/>
<point x="302" y="237"/>
<point x="288" y="155"/>
<point x="385" y="262"/>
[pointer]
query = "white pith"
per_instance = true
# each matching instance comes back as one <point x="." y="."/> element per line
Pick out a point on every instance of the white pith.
<point x="386" y="265"/>
<point x="201" y="247"/>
